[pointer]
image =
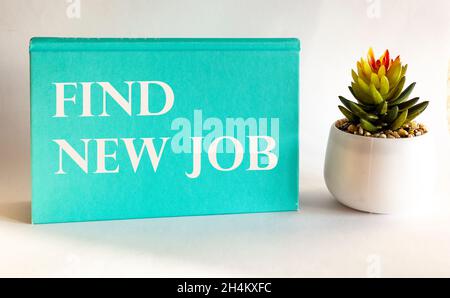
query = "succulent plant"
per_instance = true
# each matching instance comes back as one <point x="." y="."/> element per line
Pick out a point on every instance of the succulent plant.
<point x="382" y="102"/>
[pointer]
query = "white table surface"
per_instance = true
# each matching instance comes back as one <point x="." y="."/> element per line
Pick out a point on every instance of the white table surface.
<point x="323" y="239"/>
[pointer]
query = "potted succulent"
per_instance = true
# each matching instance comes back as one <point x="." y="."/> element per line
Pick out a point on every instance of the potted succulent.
<point x="378" y="157"/>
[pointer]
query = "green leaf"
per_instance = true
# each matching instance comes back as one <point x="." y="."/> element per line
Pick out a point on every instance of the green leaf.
<point x="358" y="111"/>
<point x="351" y="91"/>
<point x="349" y="115"/>
<point x="375" y="80"/>
<point x="366" y="125"/>
<point x="366" y="69"/>
<point x="396" y="90"/>
<point x="391" y="115"/>
<point x="408" y="104"/>
<point x="359" y="94"/>
<point x="416" y="110"/>
<point x="405" y="94"/>
<point x="384" y="86"/>
<point x="345" y="101"/>
<point x="382" y="71"/>
<point x="401" y="119"/>
<point x="382" y="108"/>
<point x="394" y="73"/>
<point x="354" y="76"/>
<point x="363" y="85"/>
<point x="404" y="69"/>
<point x="347" y="104"/>
<point x="376" y="96"/>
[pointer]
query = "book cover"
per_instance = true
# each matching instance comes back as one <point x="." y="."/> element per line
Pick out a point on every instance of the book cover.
<point x="138" y="128"/>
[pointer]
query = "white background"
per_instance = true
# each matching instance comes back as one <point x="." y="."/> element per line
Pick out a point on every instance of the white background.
<point x="325" y="238"/>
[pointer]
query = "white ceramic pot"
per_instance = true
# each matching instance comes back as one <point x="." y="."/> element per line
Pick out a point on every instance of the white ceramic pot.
<point x="380" y="175"/>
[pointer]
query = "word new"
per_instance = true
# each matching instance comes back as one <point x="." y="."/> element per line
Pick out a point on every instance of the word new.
<point x="148" y="146"/>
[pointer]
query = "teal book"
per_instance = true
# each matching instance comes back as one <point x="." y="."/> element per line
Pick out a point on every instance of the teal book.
<point x="140" y="128"/>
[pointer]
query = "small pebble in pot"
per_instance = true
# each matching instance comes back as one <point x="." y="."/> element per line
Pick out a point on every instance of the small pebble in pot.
<point x="423" y="128"/>
<point x="408" y="130"/>
<point x="361" y="130"/>
<point x="402" y="132"/>
<point x="351" y="128"/>
<point x="341" y="123"/>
